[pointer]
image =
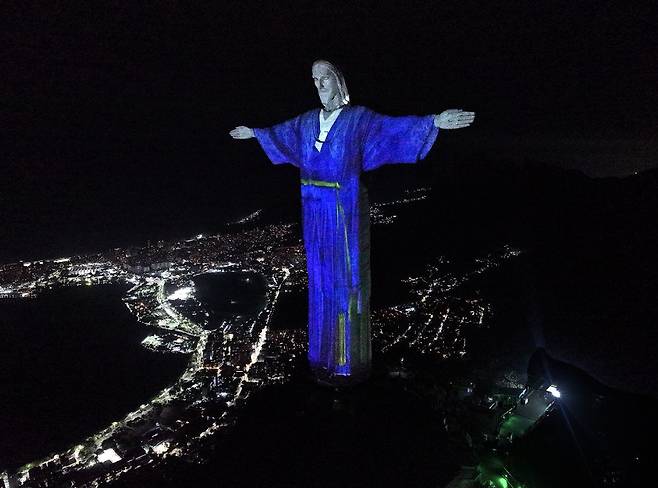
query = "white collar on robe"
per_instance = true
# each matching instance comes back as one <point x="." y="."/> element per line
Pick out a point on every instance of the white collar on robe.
<point x="325" y="126"/>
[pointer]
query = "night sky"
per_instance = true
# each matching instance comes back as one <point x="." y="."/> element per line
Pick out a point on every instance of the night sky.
<point x="123" y="111"/>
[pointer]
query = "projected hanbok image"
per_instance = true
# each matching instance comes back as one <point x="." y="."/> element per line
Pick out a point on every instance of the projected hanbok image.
<point x="332" y="146"/>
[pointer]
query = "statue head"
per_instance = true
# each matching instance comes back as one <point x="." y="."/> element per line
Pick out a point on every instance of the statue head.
<point x="330" y="84"/>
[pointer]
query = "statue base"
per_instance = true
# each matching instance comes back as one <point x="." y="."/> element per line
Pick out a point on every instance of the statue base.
<point x="325" y="377"/>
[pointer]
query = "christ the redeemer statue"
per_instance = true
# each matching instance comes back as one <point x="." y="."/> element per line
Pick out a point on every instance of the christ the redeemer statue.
<point x="332" y="147"/>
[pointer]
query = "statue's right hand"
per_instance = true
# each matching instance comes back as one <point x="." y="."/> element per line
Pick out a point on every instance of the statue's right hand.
<point x="242" y="132"/>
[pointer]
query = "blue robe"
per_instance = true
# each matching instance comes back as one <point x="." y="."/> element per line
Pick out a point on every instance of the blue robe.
<point x="335" y="218"/>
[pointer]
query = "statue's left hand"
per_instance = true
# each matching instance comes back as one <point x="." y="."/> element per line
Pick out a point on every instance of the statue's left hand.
<point x="454" y="119"/>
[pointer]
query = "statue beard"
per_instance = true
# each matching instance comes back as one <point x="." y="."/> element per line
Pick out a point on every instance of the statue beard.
<point x="328" y="99"/>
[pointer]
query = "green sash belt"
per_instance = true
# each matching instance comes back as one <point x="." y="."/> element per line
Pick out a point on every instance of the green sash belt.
<point x="326" y="184"/>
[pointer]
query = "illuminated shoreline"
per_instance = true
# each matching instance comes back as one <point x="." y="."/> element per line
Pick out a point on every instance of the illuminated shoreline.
<point x="244" y="353"/>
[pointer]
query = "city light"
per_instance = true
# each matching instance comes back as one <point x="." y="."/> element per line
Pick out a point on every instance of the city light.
<point x="182" y="294"/>
<point x="161" y="448"/>
<point x="109" y="455"/>
<point x="240" y="354"/>
<point x="554" y="391"/>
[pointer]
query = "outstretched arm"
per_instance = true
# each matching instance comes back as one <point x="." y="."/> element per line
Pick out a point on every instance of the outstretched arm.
<point x="242" y="132"/>
<point x="280" y="142"/>
<point x="454" y="119"/>
<point x="406" y="139"/>
<point x="396" y="139"/>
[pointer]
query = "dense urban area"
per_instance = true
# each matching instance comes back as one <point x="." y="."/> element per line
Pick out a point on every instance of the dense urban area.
<point x="231" y="358"/>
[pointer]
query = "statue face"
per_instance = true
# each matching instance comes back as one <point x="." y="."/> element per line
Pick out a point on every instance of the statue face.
<point x="325" y="82"/>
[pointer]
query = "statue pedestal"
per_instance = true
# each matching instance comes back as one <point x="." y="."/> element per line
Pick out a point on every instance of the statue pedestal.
<point x="325" y="378"/>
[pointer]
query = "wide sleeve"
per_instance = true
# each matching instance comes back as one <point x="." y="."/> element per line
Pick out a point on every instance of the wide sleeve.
<point x="390" y="140"/>
<point x="281" y="142"/>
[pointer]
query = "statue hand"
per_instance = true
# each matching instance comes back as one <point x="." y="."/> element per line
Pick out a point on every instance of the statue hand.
<point x="454" y="119"/>
<point x="242" y="132"/>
